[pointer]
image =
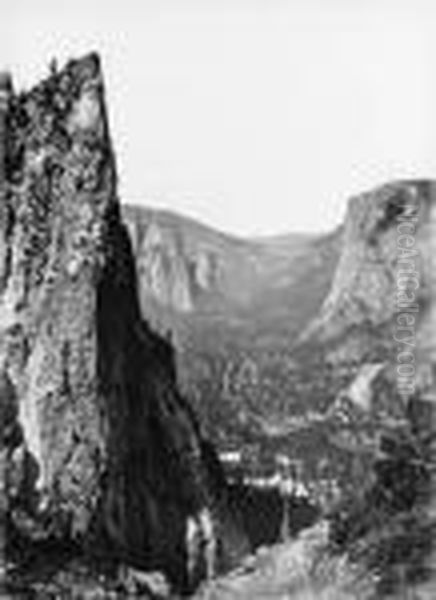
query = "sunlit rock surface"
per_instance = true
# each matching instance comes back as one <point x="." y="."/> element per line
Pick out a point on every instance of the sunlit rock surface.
<point x="101" y="447"/>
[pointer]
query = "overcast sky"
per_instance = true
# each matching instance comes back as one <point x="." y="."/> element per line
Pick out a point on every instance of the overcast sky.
<point x="253" y="116"/>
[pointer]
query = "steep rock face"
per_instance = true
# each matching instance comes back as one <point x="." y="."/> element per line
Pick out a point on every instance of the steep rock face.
<point x="182" y="265"/>
<point x="351" y="384"/>
<point x="358" y="311"/>
<point x="377" y="324"/>
<point x="381" y="303"/>
<point x="99" y="440"/>
<point x="162" y="270"/>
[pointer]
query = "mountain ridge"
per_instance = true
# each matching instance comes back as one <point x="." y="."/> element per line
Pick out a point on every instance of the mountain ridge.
<point x="178" y="215"/>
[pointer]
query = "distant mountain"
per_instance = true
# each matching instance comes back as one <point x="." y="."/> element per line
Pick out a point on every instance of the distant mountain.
<point x="191" y="268"/>
<point x="234" y="307"/>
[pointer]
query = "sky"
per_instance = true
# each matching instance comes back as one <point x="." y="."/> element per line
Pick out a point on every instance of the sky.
<point x="254" y="116"/>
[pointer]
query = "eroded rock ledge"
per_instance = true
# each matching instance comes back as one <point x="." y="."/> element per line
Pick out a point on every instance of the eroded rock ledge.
<point x="99" y="445"/>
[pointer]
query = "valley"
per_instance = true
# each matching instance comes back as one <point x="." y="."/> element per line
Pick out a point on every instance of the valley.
<point x="190" y="414"/>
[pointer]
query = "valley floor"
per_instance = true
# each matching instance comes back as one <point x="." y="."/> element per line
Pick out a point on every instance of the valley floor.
<point x="304" y="570"/>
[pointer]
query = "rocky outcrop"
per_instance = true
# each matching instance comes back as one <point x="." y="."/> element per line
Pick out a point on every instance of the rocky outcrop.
<point x="162" y="271"/>
<point x="100" y="445"/>
<point x="179" y="262"/>
<point x="377" y="322"/>
<point x="358" y="313"/>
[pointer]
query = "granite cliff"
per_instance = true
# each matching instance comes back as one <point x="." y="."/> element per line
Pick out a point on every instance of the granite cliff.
<point x="359" y="309"/>
<point x="374" y="333"/>
<point x="99" y="447"/>
<point x="377" y="323"/>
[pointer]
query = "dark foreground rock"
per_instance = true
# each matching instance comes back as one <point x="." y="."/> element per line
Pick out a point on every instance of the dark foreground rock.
<point x="99" y="447"/>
